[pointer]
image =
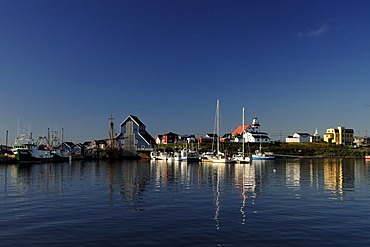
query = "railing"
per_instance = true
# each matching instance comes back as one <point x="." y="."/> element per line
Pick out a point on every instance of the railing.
<point x="144" y="149"/>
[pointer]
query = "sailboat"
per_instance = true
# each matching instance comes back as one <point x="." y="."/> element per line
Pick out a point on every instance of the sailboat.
<point x="260" y="155"/>
<point x="241" y="158"/>
<point x="219" y="157"/>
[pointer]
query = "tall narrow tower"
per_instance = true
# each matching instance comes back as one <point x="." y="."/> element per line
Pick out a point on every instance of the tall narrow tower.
<point x="255" y="125"/>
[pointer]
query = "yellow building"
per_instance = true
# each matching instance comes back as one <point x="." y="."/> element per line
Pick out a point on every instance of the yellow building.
<point x="340" y="135"/>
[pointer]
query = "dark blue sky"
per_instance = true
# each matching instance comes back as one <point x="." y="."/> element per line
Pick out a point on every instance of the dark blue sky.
<point x="296" y="65"/>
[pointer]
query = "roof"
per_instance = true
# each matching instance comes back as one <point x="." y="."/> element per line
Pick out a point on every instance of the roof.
<point x="147" y="137"/>
<point x="211" y="135"/>
<point x="303" y="133"/>
<point x="170" y="133"/>
<point x="239" y="130"/>
<point x="258" y="133"/>
<point x="69" y="144"/>
<point x="135" y="119"/>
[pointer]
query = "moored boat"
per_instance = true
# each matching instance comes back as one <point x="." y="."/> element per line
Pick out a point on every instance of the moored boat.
<point x="25" y="150"/>
<point x="219" y="157"/>
<point x="260" y="155"/>
<point x="31" y="153"/>
<point x="241" y="157"/>
<point x="189" y="155"/>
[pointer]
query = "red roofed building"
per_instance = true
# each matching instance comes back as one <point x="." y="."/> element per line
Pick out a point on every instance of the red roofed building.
<point x="251" y="133"/>
<point x="239" y="130"/>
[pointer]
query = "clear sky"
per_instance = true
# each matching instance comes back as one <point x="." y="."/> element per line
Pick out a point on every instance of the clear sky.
<point x="297" y="65"/>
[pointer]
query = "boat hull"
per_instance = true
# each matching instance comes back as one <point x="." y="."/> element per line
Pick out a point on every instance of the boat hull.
<point x="255" y="157"/>
<point x="26" y="156"/>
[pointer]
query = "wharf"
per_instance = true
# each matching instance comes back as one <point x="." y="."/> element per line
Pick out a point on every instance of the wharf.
<point x="288" y="156"/>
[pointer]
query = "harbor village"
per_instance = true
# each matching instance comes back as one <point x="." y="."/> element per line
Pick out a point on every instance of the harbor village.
<point x="132" y="141"/>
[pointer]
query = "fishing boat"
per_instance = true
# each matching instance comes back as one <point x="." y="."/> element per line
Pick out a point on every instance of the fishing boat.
<point x="261" y="155"/>
<point x="31" y="153"/>
<point x="219" y="156"/>
<point x="241" y="157"/>
<point x="25" y="150"/>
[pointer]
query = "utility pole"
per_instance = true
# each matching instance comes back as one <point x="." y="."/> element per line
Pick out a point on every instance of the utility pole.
<point x="281" y="135"/>
<point x="6" y="139"/>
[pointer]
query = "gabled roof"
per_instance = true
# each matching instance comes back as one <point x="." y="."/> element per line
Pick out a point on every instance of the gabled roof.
<point x="135" y="119"/>
<point x="227" y="135"/>
<point x="147" y="137"/>
<point x="239" y="130"/>
<point x="170" y="133"/>
<point x="69" y="144"/>
<point x="211" y="135"/>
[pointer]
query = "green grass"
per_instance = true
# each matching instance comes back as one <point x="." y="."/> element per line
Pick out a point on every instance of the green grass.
<point x="324" y="150"/>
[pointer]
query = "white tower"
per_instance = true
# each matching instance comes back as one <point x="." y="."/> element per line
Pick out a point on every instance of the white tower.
<point x="255" y="125"/>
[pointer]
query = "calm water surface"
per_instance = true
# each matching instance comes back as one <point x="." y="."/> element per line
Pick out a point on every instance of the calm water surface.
<point x="142" y="203"/>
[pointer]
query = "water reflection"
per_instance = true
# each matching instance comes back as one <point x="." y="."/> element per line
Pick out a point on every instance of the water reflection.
<point x="127" y="181"/>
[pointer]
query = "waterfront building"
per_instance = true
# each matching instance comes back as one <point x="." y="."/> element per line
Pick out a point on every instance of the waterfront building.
<point x="159" y="139"/>
<point x="299" y="137"/>
<point x="251" y="133"/>
<point x="339" y="135"/>
<point x="170" y="137"/>
<point x="259" y="137"/>
<point x="133" y="137"/>
<point x="74" y="149"/>
<point x="208" y="138"/>
<point x="316" y="137"/>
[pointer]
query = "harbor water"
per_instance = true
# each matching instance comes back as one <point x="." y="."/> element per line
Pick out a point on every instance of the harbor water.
<point x="315" y="202"/>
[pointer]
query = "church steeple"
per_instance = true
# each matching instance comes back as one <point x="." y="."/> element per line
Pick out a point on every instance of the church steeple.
<point x="316" y="133"/>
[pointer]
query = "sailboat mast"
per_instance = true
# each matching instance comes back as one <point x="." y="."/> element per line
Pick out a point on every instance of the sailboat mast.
<point x="218" y="126"/>
<point x="243" y="129"/>
<point x="111" y="132"/>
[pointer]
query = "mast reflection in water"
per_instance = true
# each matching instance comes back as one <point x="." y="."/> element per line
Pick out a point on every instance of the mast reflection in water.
<point x="142" y="203"/>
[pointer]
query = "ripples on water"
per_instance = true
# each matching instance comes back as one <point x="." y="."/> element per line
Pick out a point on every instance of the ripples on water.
<point x="142" y="203"/>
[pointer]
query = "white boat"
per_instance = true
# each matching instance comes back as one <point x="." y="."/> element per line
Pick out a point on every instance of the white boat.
<point x="177" y="156"/>
<point x="219" y="157"/>
<point x="25" y="150"/>
<point x="241" y="157"/>
<point x="263" y="155"/>
<point x="189" y="155"/>
<point x="260" y="155"/>
<point x="156" y="155"/>
<point x="207" y="156"/>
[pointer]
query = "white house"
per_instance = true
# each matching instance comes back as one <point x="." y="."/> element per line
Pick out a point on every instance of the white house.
<point x="299" y="137"/>
<point x="260" y="137"/>
<point x="251" y="133"/>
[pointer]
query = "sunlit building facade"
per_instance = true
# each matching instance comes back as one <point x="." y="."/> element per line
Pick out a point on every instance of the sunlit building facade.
<point x="340" y="135"/>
